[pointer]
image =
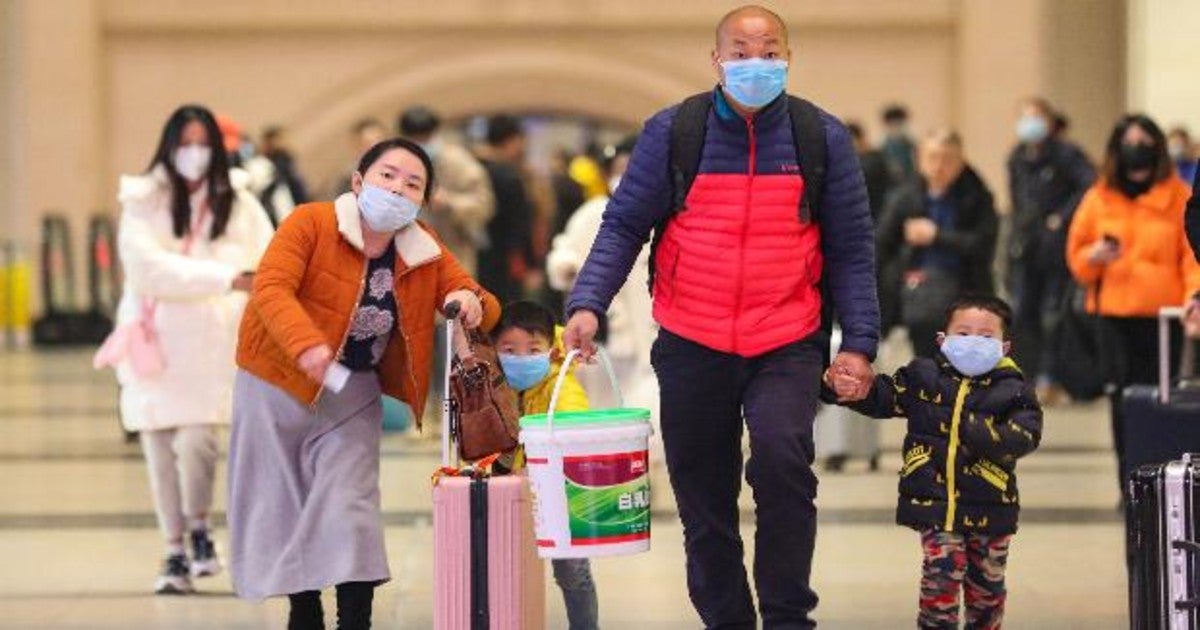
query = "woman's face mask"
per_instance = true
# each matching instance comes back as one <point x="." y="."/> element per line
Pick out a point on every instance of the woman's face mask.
<point x="385" y="211"/>
<point x="192" y="161"/>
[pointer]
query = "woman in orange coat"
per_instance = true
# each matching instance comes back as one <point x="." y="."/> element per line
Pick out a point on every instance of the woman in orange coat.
<point x="349" y="286"/>
<point x="1127" y="246"/>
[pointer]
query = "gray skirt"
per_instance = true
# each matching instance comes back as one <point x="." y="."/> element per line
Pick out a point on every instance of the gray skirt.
<point x="304" y="488"/>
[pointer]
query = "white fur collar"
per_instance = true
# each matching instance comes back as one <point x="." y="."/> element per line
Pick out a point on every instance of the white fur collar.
<point x="141" y="187"/>
<point x="414" y="245"/>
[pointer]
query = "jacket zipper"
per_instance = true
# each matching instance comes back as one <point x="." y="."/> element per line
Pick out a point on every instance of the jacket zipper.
<point x="362" y="286"/>
<point x="952" y="455"/>
<point x="741" y="271"/>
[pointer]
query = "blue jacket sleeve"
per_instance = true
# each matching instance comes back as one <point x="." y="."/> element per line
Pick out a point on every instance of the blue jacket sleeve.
<point x="642" y="201"/>
<point x="848" y="243"/>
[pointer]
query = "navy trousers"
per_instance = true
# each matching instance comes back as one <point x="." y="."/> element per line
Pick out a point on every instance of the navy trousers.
<point x="707" y="398"/>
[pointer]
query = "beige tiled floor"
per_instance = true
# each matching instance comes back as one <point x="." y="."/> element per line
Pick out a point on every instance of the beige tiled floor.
<point x="78" y="547"/>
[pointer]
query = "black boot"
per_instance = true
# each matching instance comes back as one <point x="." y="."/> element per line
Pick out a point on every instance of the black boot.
<point x="306" y="612"/>
<point x="354" y="605"/>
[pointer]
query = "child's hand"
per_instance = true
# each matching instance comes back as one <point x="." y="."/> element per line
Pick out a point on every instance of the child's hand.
<point x="846" y="386"/>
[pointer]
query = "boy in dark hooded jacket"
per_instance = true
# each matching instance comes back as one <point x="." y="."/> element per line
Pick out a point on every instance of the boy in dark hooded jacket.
<point x="971" y="414"/>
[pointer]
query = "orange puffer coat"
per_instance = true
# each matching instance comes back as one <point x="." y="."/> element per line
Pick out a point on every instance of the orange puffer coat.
<point x="1156" y="267"/>
<point x="309" y="285"/>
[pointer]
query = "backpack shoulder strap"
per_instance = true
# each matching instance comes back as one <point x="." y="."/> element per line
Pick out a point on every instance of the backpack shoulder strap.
<point x="808" y="134"/>
<point x="688" y="129"/>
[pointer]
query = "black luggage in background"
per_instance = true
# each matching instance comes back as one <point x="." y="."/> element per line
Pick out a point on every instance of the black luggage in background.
<point x="1162" y="547"/>
<point x="1162" y="422"/>
<point x="62" y="324"/>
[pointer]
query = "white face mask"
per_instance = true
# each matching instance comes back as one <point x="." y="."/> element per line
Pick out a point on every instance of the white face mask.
<point x="191" y="161"/>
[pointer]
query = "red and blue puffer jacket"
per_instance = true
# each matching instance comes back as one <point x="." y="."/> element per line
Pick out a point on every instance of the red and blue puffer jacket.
<point x="736" y="269"/>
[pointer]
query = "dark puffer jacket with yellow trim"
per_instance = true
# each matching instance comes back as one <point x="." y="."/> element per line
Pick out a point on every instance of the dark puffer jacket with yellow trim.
<point x="964" y="438"/>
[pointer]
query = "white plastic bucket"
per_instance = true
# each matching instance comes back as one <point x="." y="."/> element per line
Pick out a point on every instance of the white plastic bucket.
<point x="589" y="471"/>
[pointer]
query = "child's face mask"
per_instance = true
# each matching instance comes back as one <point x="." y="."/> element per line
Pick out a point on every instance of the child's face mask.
<point x="524" y="371"/>
<point x="973" y="355"/>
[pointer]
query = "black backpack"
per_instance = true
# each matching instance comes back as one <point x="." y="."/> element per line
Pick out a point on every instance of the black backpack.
<point x="687" y="142"/>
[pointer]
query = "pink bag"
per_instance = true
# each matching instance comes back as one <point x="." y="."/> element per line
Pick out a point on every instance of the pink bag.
<point x="138" y="339"/>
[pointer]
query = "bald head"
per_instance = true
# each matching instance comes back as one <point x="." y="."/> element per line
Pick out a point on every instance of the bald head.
<point x="751" y="15"/>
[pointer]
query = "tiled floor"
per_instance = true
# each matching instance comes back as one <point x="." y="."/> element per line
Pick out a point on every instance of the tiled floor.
<point x="79" y="549"/>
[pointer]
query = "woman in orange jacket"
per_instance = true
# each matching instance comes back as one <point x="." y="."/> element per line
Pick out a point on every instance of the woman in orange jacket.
<point x="348" y="287"/>
<point x="1127" y="246"/>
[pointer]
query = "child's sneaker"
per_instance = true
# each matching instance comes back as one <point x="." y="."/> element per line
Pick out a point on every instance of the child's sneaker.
<point x="175" y="578"/>
<point x="204" y="555"/>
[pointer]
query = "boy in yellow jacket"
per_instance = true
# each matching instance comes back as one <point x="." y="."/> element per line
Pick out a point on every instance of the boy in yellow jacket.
<point x="529" y="344"/>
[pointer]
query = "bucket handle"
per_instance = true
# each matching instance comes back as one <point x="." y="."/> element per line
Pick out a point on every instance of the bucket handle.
<point x="562" y="376"/>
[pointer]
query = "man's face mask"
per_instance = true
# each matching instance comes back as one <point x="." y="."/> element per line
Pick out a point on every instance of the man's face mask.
<point x="755" y="82"/>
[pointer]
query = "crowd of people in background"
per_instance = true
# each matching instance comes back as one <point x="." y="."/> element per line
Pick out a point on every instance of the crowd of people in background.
<point x="939" y="230"/>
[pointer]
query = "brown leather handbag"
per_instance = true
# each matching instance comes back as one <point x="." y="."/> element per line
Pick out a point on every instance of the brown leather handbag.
<point x="487" y="411"/>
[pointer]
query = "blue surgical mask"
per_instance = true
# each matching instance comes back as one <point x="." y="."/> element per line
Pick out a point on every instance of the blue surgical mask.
<point x="1032" y="129"/>
<point x="524" y="371"/>
<point x="384" y="210"/>
<point x="973" y="355"/>
<point x="755" y="82"/>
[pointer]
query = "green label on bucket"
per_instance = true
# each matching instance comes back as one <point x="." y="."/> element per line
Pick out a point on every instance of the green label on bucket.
<point x="608" y="497"/>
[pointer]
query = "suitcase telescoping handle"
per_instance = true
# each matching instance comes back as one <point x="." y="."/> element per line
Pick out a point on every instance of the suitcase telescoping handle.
<point x="562" y="376"/>
<point x="448" y="415"/>
<point x="1187" y="360"/>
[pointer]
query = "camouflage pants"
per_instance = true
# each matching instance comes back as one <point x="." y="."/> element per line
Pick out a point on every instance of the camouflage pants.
<point x="972" y="563"/>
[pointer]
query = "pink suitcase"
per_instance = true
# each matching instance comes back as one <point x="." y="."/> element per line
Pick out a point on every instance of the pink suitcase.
<point x="486" y="574"/>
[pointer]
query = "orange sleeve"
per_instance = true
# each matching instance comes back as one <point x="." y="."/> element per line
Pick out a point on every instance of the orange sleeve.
<point x="277" y="281"/>
<point x="452" y="277"/>
<point x="1082" y="234"/>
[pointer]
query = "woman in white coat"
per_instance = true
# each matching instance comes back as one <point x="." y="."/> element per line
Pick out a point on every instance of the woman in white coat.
<point x="190" y="238"/>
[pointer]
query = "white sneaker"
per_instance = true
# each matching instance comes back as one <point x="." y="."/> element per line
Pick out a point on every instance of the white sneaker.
<point x="204" y="555"/>
<point x="175" y="578"/>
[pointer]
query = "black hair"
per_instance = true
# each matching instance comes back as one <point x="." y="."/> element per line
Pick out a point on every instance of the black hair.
<point x="418" y="122"/>
<point x="531" y="317"/>
<point x="503" y="127"/>
<point x="374" y="153"/>
<point x="1163" y="166"/>
<point x="895" y="113"/>
<point x="271" y="133"/>
<point x="220" y="191"/>
<point x="983" y="302"/>
<point x="855" y="129"/>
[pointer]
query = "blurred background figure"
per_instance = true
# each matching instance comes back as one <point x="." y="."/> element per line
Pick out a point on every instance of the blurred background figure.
<point x="505" y="262"/>
<point x="365" y="133"/>
<point x="937" y="239"/>
<point x="587" y="170"/>
<point x="1183" y="153"/>
<point x="462" y="204"/>
<point x="840" y="433"/>
<point x="275" y="177"/>
<point x="879" y="182"/>
<point x="897" y="145"/>
<point x="1127" y="246"/>
<point x="1047" y="176"/>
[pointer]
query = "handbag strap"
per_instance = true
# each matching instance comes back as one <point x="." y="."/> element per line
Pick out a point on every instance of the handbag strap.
<point x="149" y="304"/>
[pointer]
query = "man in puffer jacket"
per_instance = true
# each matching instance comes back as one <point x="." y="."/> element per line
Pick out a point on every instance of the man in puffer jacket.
<point x="971" y="415"/>
<point x="737" y="292"/>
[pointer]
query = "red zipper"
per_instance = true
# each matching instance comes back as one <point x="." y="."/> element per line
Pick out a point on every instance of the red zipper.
<point x="741" y="271"/>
